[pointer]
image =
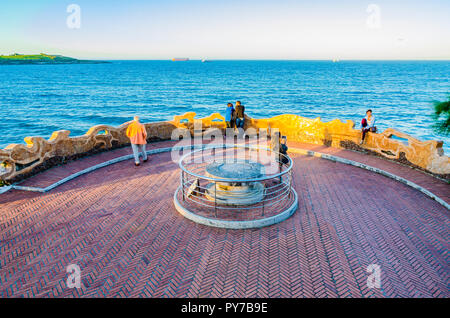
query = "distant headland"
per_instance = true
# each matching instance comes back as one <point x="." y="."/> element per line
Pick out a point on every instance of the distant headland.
<point x="42" y="58"/>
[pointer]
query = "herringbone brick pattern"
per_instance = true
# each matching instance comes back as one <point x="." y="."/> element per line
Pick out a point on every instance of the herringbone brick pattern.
<point x="119" y="225"/>
<point x="440" y="188"/>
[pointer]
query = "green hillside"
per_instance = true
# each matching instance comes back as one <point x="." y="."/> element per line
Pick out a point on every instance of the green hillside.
<point x="42" y="59"/>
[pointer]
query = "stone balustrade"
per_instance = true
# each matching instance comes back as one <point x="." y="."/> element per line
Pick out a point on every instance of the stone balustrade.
<point x="392" y="144"/>
<point x="18" y="161"/>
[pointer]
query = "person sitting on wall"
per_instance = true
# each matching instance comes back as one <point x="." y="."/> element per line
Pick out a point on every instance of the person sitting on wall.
<point x="138" y="135"/>
<point x="367" y="124"/>
<point x="229" y="114"/>
<point x="240" y="116"/>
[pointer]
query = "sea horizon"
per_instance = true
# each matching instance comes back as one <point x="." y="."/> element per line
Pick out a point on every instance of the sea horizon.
<point x="268" y="59"/>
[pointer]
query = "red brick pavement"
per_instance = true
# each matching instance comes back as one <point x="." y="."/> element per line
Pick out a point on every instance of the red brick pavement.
<point x="440" y="188"/>
<point x="119" y="225"/>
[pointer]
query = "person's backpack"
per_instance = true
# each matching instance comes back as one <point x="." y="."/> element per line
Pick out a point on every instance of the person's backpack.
<point x="364" y="122"/>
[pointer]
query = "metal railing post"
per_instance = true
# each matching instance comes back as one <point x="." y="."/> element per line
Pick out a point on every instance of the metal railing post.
<point x="182" y="184"/>
<point x="290" y="184"/>
<point x="263" y="206"/>
<point x="215" y="199"/>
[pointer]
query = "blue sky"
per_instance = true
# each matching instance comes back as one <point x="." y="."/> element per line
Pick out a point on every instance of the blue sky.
<point x="228" y="29"/>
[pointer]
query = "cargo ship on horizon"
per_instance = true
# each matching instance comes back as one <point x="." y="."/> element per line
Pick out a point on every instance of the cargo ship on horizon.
<point x="180" y="59"/>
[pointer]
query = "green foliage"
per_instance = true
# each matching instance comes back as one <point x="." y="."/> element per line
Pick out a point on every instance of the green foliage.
<point x="27" y="57"/>
<point x="442" y="117"/>
<point x="35" y="58"/>
<point x="42" y="59"/>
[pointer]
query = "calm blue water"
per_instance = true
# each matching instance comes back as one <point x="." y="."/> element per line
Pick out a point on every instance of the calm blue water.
<point x="39" y="99"/>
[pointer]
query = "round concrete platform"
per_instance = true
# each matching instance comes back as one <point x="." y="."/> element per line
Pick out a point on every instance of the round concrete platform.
<point x="236" y="169"/>
<point x="232" y="223"/>
<point x="235" y="195"/>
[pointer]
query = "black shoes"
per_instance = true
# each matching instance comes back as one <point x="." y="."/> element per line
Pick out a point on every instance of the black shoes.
<point x="138" y="163"/>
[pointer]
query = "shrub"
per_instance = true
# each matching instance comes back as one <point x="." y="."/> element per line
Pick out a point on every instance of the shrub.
<point x="442" y="117"/>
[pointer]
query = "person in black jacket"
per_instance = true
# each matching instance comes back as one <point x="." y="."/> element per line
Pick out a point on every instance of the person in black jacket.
<point x="240" y="117"/>
<point x="283" y="150"/>
<point x="278" y="145"/>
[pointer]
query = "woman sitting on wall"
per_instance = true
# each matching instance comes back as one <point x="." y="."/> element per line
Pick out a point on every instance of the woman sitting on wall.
<point x="367" y="124"/>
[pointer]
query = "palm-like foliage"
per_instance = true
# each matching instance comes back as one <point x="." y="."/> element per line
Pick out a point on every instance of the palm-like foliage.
<point x="442" y="117"/>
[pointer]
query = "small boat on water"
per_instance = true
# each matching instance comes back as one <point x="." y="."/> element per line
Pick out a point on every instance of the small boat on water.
<point x="180" y="59"/>
<point x="205" y="60"/>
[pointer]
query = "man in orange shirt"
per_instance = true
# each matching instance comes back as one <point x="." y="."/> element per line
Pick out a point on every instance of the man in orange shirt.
<point x="138" y="137"/>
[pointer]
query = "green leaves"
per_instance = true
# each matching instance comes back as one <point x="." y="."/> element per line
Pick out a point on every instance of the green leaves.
<point x="442" y="117"/>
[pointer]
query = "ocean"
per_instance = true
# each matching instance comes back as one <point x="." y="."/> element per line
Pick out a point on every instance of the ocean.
<point x="36" y="100"/>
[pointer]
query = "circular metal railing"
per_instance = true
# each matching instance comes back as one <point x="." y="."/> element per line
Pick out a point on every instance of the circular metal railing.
<point x="270" y="196"/>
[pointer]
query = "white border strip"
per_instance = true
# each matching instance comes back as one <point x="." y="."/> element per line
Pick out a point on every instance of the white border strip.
<point x="4" y="189"/>
<point x="294" y="150"/>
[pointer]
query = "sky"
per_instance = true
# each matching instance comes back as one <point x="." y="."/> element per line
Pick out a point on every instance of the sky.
<point x="228" y="29"/>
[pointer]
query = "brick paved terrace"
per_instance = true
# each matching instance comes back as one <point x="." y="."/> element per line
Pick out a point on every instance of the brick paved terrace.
<point x="119" y="225"/>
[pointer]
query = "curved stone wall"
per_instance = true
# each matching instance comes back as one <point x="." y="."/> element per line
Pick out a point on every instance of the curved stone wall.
<point x="20" y="161"/>
<point x="392" y="144"/>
